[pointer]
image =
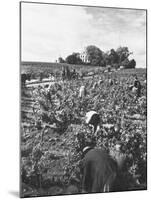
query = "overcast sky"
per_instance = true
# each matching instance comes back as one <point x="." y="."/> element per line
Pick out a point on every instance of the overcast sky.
<point x="49" y="31"/>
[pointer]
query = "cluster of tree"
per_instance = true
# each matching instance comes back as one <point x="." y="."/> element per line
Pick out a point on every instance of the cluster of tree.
<point x="118" y="57"/>
<point x="74" y="58"/>
<point x="114" y="58"/>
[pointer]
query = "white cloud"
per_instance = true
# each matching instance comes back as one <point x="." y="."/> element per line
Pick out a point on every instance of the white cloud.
<point x="53" y="30"/>
<point x="50" y="31"/>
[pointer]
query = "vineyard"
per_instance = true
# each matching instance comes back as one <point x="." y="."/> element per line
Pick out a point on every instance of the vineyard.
<point x="53" y="129"/>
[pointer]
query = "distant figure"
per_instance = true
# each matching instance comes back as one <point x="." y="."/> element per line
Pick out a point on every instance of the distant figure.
<point x="74" y="74"/>
<point x="40" y="76"/>
<point x="82" y="91"/>
<point x="24" y="78"/>
<point x="110" y="82"/>
<point x="137" y="85"/>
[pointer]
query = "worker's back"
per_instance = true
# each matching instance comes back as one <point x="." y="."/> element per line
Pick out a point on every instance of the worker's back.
<point x="99" y="171"/>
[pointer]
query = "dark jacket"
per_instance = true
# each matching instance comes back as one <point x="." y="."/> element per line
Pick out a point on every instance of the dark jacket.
<point x="99" y="171"/>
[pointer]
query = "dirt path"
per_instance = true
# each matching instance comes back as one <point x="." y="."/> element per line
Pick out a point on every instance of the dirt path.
<point x="35" y="84"/>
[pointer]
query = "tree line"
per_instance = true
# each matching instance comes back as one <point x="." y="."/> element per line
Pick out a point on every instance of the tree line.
<point x="96" y="57"/>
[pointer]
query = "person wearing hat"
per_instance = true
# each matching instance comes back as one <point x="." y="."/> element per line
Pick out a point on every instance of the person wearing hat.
<point x="93" y="119"/>
<point x="86" y="135"/>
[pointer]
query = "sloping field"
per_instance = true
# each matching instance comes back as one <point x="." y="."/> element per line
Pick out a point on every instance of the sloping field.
<point x="49" y="156"/>
<point x="37" y="67"/>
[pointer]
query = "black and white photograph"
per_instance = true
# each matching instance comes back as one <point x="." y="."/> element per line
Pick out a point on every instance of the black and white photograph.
<point x="83" y="99"/>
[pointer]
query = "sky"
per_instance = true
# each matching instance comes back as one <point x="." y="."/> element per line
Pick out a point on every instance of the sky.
<point x="49" y="31"/>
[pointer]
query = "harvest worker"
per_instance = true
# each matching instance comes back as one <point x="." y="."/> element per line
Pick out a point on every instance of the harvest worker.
<point x="86" y="135"/>
<point x="93" y="119"/>
<point x="137" y="85"/>
<point x="99" y="171"/>
<point x="82" y="91"/>
<point x="103" y="172"/>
